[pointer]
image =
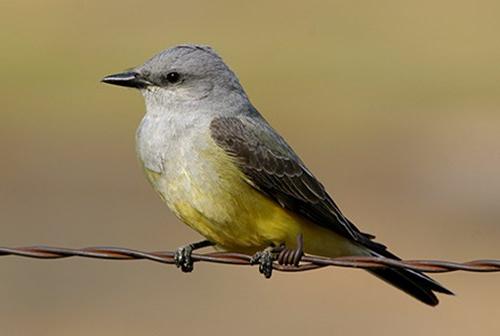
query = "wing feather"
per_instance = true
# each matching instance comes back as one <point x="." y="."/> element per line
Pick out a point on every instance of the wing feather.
<point x="272" y="167"/>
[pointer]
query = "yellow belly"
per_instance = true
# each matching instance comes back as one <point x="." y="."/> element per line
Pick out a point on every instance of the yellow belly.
<point x="262" y="222"/>
<point x="227" y="210"/>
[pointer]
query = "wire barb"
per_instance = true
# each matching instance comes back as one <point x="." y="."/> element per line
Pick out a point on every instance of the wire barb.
<point x="307" y="262"/>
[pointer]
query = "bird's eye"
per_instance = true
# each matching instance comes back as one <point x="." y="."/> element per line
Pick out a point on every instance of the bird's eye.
<point x="173" y="77"/>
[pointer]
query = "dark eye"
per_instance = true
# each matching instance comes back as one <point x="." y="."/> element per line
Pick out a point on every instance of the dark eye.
<point x="173" y="77"/>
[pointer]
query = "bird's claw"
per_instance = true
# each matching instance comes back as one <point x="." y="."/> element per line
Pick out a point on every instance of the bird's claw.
<point x="183" y="260"/>
<point x="284" y="256"/>
<point x="265" y="260"/>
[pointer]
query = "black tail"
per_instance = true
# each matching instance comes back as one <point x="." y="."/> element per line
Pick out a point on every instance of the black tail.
<point x="417" y="284"/>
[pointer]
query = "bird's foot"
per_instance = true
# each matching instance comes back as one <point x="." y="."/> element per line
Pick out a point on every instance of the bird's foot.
<point x="284" y="256"/>
<point x="182" y="256"/>
<point x="265" y="260"/>
<point x="183" y="260"/>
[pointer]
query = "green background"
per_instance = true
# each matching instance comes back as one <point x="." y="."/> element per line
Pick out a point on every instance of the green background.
<point x="394" y="105"/>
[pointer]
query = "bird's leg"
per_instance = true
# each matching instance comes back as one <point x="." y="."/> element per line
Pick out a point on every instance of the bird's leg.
<point x="282" y="254"/>
<point x="182" y="256"/>
<point x="292" y="256"/>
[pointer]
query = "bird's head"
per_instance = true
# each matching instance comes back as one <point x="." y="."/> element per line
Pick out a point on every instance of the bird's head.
<point x="184" y="73"/>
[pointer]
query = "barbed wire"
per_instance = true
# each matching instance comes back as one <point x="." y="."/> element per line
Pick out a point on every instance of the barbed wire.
<point x="308" y="262"/>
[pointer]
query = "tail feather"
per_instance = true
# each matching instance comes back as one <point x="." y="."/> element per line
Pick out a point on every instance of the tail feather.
<point x="414" y="283"/>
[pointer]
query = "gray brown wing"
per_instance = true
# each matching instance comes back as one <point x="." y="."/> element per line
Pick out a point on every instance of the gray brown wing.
<point x="273" y="168"/>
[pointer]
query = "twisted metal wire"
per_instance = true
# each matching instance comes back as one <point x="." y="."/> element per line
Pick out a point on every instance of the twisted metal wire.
<point x="307" y="262"/>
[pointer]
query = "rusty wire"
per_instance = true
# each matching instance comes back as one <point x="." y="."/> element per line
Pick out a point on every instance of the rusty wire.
<point x="307" y="262"/>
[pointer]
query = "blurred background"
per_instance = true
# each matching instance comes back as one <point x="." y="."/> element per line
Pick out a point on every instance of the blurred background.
<point x="394" y="105"/>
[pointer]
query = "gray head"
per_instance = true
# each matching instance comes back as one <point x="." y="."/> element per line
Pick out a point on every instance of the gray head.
<point x="184" y="73"/>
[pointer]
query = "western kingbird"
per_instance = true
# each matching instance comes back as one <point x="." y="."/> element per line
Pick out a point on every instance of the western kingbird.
<point x="225" y="172"/>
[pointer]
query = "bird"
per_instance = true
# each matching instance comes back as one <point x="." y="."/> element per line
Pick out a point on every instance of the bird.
<point x="225" y="172"/>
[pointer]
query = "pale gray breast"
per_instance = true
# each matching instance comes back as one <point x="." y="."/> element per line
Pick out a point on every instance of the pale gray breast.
<point x="170" y="144"/>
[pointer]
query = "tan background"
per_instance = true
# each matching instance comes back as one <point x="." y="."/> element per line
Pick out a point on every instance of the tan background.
<point x="394" y="105"/>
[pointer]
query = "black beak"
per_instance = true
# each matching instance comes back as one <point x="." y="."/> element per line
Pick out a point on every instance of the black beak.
<point x="129" y="79"/>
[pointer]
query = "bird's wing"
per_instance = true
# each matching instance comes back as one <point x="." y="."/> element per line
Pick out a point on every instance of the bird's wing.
<point x="272" y="167"/>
